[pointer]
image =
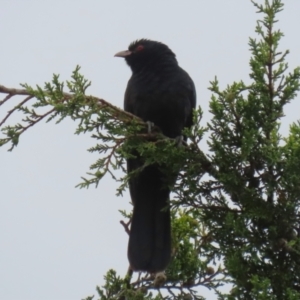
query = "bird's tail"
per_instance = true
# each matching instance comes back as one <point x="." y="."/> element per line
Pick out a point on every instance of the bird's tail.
<point x="149" y="246"/>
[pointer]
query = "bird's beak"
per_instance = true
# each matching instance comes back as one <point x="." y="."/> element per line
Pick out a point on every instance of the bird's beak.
<point x="123" y="53"/>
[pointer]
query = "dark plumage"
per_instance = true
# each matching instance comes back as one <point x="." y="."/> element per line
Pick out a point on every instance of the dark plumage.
<point x="161" y="92"/>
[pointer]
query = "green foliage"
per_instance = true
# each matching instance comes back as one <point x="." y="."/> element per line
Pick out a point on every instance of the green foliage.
<point x="236" y="208"/>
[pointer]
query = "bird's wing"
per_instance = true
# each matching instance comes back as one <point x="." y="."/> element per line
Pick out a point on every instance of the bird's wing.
<point x="128" y="98"/>
<point x="189" y="84"/>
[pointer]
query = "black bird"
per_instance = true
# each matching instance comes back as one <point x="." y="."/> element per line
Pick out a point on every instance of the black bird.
<point x="159" y="91"/>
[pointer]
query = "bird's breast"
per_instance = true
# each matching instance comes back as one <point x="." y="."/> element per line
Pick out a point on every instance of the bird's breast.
<point x="162" y="100"/>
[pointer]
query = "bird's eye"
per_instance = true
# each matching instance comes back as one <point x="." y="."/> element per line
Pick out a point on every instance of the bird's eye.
<point x="139" y="48"/>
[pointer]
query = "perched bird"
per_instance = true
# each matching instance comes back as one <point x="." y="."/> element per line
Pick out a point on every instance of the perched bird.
<point x="160" y="92"/>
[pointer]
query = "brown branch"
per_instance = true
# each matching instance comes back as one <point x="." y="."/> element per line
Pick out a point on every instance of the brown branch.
<point x="40" y="118"/>
<point x="115" y="108"/>
<point x="126" y="226"/>
<point x="120" y="114"/>
<point x="13" y="92"/>
<point x="6" y="98"/>
<point x="14" y="109"/>
<point x="90" y="100"/>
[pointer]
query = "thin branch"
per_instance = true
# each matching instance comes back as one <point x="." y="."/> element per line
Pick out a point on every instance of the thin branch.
<point x="126" y="226"/>
<point x="6" y="98"/>
<point x="13" y="92"/>
<point x="40" y="118"/>
<point x="10" y="112"/>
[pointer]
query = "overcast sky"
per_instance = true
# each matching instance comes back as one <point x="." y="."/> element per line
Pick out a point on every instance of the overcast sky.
<point x="57" y="241"/>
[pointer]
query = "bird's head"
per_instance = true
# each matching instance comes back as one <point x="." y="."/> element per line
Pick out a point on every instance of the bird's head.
<point x="146" y="53"/>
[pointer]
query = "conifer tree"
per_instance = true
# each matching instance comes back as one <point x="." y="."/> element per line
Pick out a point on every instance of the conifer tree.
<point x="235" y="209"/>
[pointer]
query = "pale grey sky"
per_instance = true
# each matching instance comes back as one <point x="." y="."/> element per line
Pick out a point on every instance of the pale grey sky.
<point x="57" y="242"/>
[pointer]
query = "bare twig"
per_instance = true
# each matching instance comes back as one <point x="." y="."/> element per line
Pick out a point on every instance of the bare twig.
<point x="13" y="92"/>
<point x="14" y="109"/>
<point x="6" y="98"/>
<point x="126" y="226"/>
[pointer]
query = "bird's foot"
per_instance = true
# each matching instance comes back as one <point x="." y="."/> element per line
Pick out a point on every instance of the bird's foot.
<point x="150" y="125"/>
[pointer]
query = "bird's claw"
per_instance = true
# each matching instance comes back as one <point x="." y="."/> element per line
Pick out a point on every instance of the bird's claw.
<point x="150" y="125"/>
